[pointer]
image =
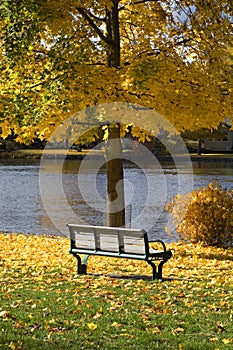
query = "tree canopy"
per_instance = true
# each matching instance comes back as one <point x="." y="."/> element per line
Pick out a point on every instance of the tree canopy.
<point x="59" y="57"/>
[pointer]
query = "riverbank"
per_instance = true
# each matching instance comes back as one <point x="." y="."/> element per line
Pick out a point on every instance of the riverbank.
<point x="31" y="154"/>
<point x="45" y="305"/>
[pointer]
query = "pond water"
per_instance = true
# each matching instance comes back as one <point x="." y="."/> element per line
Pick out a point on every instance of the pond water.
<point x="22" y="209"/>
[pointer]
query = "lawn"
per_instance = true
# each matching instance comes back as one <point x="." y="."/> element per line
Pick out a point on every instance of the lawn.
<point x="45" y="305"/>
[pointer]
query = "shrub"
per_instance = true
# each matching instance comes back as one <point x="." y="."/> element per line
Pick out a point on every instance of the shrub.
<point x="204" y="216"/>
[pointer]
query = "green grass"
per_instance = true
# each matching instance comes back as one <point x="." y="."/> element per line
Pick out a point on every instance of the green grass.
<point x="45" y="305"/>
<point x="90" y="312"/>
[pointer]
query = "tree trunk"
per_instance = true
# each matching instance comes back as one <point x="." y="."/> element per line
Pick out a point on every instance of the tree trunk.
<point x="115" y="182"/>
<point x="113" y="35"/>
<point x="115" y="175"/>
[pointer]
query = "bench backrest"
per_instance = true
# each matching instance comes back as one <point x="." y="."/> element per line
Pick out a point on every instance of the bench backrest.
<point x="109" y="239"/>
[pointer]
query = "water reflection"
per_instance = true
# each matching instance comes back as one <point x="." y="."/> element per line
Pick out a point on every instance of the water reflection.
<point x="22" y="210"/>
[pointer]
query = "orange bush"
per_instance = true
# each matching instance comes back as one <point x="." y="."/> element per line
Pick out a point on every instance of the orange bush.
<point x="204" y="216"/>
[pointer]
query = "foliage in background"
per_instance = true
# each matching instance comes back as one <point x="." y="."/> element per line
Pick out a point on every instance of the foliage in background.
<point x="204" y="215"/>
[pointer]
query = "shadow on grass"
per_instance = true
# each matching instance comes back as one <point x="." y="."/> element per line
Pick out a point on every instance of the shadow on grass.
<point x="135" y="277"/>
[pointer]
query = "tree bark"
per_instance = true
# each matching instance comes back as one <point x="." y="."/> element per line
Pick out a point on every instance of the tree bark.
<point x="115" y="182"/>
<point x="113" y="35"/>
<point x="115" y="173"/>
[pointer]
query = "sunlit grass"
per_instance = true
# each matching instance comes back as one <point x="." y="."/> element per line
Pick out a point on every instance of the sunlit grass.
<point x="44" y="304"/>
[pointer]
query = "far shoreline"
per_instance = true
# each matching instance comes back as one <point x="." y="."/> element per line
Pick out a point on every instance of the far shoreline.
<point x="36" y="155"/>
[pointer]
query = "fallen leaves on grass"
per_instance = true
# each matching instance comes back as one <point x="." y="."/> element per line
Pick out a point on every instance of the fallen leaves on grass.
<point x="227" y="341"/>
<point x="197" y="286"/>
<point x="92" y="326"/>
<point x="36" y="256"/>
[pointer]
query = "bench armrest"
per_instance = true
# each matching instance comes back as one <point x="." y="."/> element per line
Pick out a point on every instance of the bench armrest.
<point x="159" y="241"/>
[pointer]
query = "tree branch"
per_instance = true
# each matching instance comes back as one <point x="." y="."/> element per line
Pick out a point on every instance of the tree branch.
<point x="93" y="25"/>
<point x="41" y="83"/>
<point x="142" y="2"/>
<point x="139" y="94"/>
<point x="101" y="19"/>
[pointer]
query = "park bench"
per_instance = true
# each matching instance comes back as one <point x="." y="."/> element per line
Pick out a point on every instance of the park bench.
<point x="115" y="242"/>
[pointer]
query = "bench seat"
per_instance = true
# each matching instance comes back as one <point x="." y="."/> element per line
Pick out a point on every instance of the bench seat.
<point x="115" y="242"/>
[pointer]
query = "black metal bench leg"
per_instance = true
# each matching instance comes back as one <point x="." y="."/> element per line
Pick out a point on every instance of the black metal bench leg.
<point x="154" y="270"/>
<point x="156" y="274"/>
<point x="160" y="268"/>
<point x="82" y="269"/>
<point x="82" y="265"/>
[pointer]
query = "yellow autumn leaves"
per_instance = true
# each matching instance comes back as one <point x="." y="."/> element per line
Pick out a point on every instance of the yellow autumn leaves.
<point x="92" y="326"/>
<point x="205" y="215"/>
<point x="39" y="257"/>
<point x="33" y="254"/>
<point x="43" y="297"/>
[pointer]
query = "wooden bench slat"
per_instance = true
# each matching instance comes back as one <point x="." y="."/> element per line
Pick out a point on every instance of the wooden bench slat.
<point x="135" y="250"/>
<point x="85" y="242"/>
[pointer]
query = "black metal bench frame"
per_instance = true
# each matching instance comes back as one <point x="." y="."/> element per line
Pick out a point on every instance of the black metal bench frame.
<point x="115" y="242"/>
